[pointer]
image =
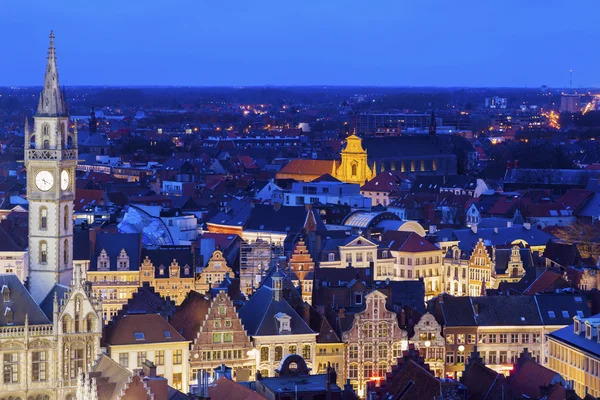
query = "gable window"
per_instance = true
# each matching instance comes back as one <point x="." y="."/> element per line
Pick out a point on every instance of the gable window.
<point x="123" y="260"/>
<point x="103" y="260"/>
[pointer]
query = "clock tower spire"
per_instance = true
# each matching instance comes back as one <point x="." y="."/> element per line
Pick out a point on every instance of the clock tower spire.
<point x="50" y="160"/>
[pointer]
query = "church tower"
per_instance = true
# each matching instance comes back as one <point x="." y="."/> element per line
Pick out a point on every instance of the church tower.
<point x="354" y="167"/>
<point x="50" y="160"/>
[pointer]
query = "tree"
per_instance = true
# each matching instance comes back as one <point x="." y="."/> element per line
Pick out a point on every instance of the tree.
<point x="585" y="235"/>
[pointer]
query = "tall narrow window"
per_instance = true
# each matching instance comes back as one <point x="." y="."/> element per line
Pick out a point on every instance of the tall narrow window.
<point x="46" y="144"/>
<point x="43" y="218"/>
<point x="32" y="142"/>
<point x="76" y="362"/>
<point x="43" y="252"/>
<point x="45" y="129"/>
<point x="66" y="218"/>
<point x="39" y="366"/>
<point x="354" y="169"/>
<point x="66" y="252"/>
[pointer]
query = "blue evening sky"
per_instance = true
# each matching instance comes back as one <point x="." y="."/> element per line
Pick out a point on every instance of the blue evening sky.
<point x="303" y="42"/>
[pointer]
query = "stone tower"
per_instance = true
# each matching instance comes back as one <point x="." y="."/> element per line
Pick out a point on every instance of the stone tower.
<point x="50" y="160"/>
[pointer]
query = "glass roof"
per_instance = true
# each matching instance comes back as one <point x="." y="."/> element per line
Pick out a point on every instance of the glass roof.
<point x="154" y="231"/>
<point x="361" y="219"/>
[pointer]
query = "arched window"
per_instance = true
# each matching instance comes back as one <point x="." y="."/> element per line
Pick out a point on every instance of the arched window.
<point x="89" y="323"/>
<point x="354" y="169"/>
<point x="32" y="142"/>
<point x="43" y="218"/>
<point x="353" y="371"/>
<point x="422" y="165"/>
<point x="77" y="312"/>
<point x="43" y="252"/>
<point x="412" y="166"/>
<point x="331" y="257"/>
<point x="66" y="252"/>
<point x="397" y="350"/>
<point x="46" y="144"/>
<point x="45" y="129"/>
<point x="65" y="324"/>
<point x="382" y="370"/>
<point x="69" y="142"/>
<point x="368" y="371"/>
<point x="66" y="218"/>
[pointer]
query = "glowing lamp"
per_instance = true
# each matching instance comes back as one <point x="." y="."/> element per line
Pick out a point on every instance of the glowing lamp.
<point x="461" y="348"/>
<point x="427" y="343"/>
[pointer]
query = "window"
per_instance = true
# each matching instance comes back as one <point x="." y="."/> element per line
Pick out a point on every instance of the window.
<point x="43" y="252"/>
<point x="264" y="354"/>
<point x="43" y="218"/>
<point x="551" y="314"/>
<point x="450" y="357"/>
<point x="503" y="338"/>
<point x="66" y="252"/>
<point x="278" y="353"/>
<point x="177" y="381"/>
<point x="159" y="357"/>
<point x="331" y="257"/>
<point x="11" y="368"/>
<point x="293" y="349"/>
<point x="368" y="350"/>
<point x="492" y="357"/>
<point x="349" y="258"/>
<point x="227" y="337"/>
<point x="359" y="257"/>
<point x="368" y="371"/>
<point x="450" y="339"/>
<point x="382" y="369"/>
<point x="353" y="371"/>
<point x="217" y="337"/>
<point x="493" y="338"/>
<point x="503" y="357"/>
<point x="354" y="169"/>
<point x="76" y="362"/>
<point x="353" y="352"/>
<point x="139" y="335"/>
<point x="401" y="260"/>
<point x="306" y="352"/>
<point x="460" y="358"/>
<point x="368" y="330"/>
<point x="514" y="338"/>
<point x="460" y="338"/>
<point x="217" y="323"/>
<point x="397" y="350"/>
<point x="66" y="218"/>
<point x="167" y="334"/>
<point x="565" y="314"/>
<point x="177" y="357"/>
<point x="222" y="310"/>
<point x="525" y="338"/>
<point x="39" y="366"/>
<point x="470" y="338"/>
<point x="358" y="298"/>
<point x="141" y="357"/>
<point x="382" y="351"/>
<point x="228" y="323"/>
<point x="382" y="330"/>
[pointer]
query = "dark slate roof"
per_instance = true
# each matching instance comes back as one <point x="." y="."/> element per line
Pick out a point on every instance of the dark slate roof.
<point x="165" y="255"/>
<point x="153" y="326"/>
<point x="408" y="293"/>
<point x="394" y="147"/>
<point x="320" y="324"/>
<point x="82" y="246"/>
<point x="8" y="242"/>
<point x="501" y="236"/>
<point x="113" y="243"/>
<point x="258" y="315"/>
<point x="47" y="305"/>
<point x="567" y="335"/>
<point x="507" y="311"/>
<point x="285" y="219"/>
<point x="20" y="303"/>
<point x="190" y="314"/>
<point x="560" y="308"/>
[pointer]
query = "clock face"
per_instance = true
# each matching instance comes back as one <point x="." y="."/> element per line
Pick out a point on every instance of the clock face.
<point x="44" y="180"/>
<point x="64" y="180"/>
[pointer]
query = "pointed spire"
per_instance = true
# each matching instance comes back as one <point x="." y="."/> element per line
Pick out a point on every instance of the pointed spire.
<point x="52" y="100"/>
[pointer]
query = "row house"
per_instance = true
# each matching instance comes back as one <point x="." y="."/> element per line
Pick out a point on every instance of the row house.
<point x="213" y="326"/>
<point x="501" y="326"/>
<point x="430" y="342"/>
<point x="276" y="329"/>
<point x="359" y="252"/>
<point x="415" y="258"/>
<point x="374" y="341"/>
<point x="470" y="273"/>
<point x="43" y="347"/>
<point x="214" y="273"/>
<point x="302" y="267"/>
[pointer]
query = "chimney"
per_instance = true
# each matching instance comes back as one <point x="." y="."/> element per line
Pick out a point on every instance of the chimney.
<point x="308" y="206"/>
<point x="149" y="369"/>
<point x="527" y="225"/>
<point x="516" y="164"/>
<point x="441" y="298"/>
<point x="432" y="229"/>
<point x="403" y="318"/>
<point x="509" y="224"/>
<point x="474" y="228"/>
<point x="508" y="164"/>
<point x="496" y="230"/>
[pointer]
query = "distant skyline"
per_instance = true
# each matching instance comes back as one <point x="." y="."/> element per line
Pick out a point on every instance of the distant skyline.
<point x="434" y="43"/>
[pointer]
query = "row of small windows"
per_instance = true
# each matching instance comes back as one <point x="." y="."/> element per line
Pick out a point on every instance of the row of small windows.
<point x="414" y="165"/>
<point x="44" y="218"/>
<point x="46" y="143"/>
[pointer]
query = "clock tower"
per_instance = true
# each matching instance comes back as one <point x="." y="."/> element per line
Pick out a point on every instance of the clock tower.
<point x="50" y="160"/>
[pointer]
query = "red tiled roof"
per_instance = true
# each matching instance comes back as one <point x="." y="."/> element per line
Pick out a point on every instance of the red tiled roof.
<point x="411" y="381"/>
<point x="83" y="197"/>
<point x="482" y="381"/>
<point x="407" y="241"/>
<point x="574" y="199"/>
<point x="153" y="326"/>
<point x="224" y="388"/>
<point x="529" y="377"/>
<point x="503" y="206"/>
<point x="190" y="314"/>
<point x="307" y="167"/>
<point x="387" y="181"/>
<point x="545" y="281"/>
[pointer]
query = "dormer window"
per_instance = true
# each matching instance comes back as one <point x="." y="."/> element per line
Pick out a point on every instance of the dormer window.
<point x="103" y="261"/>
<point x="123" y="260"/>
<point x="186" y="270"/>
<point x="284" y="322"/>
<point x="588" y="332"/>
<point x="331" y="257"/>
<point x="384" y="254"/>
<point x="8" y="316"/>
<point x="161" y="270"/>
<point x="577" y="327"/>
<point x="5" y="294"/>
